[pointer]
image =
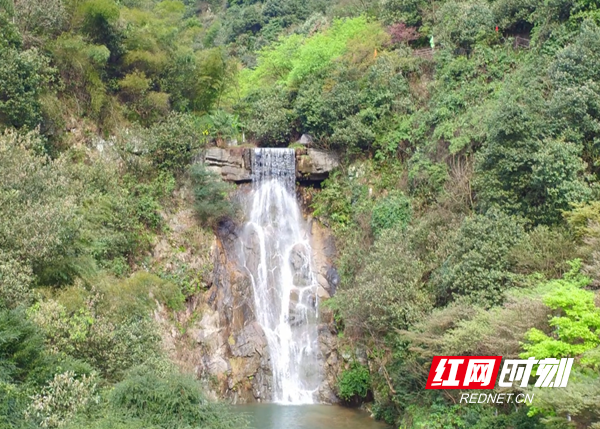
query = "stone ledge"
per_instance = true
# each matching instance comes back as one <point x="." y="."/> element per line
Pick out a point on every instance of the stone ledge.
<point x="235" y="164"/>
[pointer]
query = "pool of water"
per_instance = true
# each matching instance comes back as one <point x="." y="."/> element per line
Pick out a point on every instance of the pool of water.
<point x="273" y="416"/>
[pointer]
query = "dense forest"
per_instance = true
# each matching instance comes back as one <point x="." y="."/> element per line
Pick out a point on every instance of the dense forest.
<point x="466" y="211"/>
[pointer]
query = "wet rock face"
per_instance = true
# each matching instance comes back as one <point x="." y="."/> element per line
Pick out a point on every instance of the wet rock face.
<point x="323" y="248"/>
<point x="329" y="350"/>
<point x="231" y="342"/>
<point x="323" y="253"/>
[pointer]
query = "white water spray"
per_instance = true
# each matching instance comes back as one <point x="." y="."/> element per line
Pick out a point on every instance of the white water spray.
<point x="276" y="251"/>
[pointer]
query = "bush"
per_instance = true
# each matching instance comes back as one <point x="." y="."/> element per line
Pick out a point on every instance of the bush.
<point x="211" y="195"/>
<point x="137" y="296"/>
<point x="576" y="329"/>
<point x="23" y="75"/>
<point x="354" y="383"/>
<point x="15" y="282"/>
<point x="81" y="66"/>
<point x="478" y="267"/>
<point x="520" y="171"/>
<point x="272" y="120"/>
<point x="173" y="142"/>
<point x="99" y="22"/>
<point x="21" y="346"/>
<point x="545" y="251"/>
<point x="333" y="204"/>
<point x="407" y="11"/>
<point x="394" y="210"/>
<point x="37" y="203"/>
<point x="43" y="18"/>
<point x="463" y="24"/>
<point x="171" y="402"/>
<point x="389" y="291"/>
<point x="62" y="399"/>
<point x="110" y="344"/>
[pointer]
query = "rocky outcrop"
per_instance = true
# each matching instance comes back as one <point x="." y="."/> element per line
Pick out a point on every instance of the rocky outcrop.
<point x="236" y="339"/>
<point x="235" y="164"/>
<point x="315" y="164"/>
<point x="323" y="247"/>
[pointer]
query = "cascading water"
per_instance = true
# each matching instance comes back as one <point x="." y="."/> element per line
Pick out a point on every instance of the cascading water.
<point x="276" y="252"/>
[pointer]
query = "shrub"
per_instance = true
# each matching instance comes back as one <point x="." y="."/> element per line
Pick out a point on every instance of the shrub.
<point x="37" y="205"/>
<point x="576" y="97"/>
<point x="333" y="204"/>
<point x="21" y="346"/>
<point x="393" y="210"/>
<point x="23" y="75"/>
<point x="137" y="296"/>
<point x="582" y="218"/>
<point x="400" y="33"/>
<point x="173" y="142"/>
<point x="407" y="11"/>
<point x="81" y="65"/>
<point x="522" y="172"/>
<point x="478" y="267"/>
<point x="464" y="24"/>
<point x="576" y="329"/>
<point x="110" y="344"/>
<point x="41" y="17"/>
<point x="389" y="291"/>
<point x="211" y="195"/>
<point x="197" y="81"/>
<point x="170" y="402"/>
<point x="15" y="282"/>
<point x="545" y="250"/>
<point x="354" y="383"/>
<point x="99" y="21"/>
<point x="272" y="120"/>
<point x="426" y="179"/>
<point x="61" y="399"/>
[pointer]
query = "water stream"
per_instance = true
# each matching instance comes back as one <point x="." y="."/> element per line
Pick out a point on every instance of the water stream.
<point x="277" y="254"/>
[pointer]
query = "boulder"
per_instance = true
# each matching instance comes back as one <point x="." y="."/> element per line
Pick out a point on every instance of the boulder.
<point x="315" y="164"/>
<point x="305" y="139"/>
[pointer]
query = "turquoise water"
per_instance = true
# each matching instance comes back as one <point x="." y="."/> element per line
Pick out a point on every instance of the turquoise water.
<point x="273" y="416"/>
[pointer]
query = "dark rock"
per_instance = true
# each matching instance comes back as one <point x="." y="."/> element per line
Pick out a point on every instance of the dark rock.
<point x="333" y="279"/>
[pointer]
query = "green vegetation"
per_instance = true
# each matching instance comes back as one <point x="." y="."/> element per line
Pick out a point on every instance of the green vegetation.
<point x="354" y="382"/>
<point x="92" y="150"/>
<point x="465" y="212"/>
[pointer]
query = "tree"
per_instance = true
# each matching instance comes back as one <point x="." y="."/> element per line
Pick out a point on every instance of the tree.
<point x="576" y="329"/>
<point x="23" y="75"/>
<point x="575" y="102"/>
<point x="478" y="267"/>
<point x="521" y="169"/>
<point x="389" y="292"/>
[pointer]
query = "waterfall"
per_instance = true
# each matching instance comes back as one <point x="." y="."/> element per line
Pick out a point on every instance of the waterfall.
<point x="276" y="252"/>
